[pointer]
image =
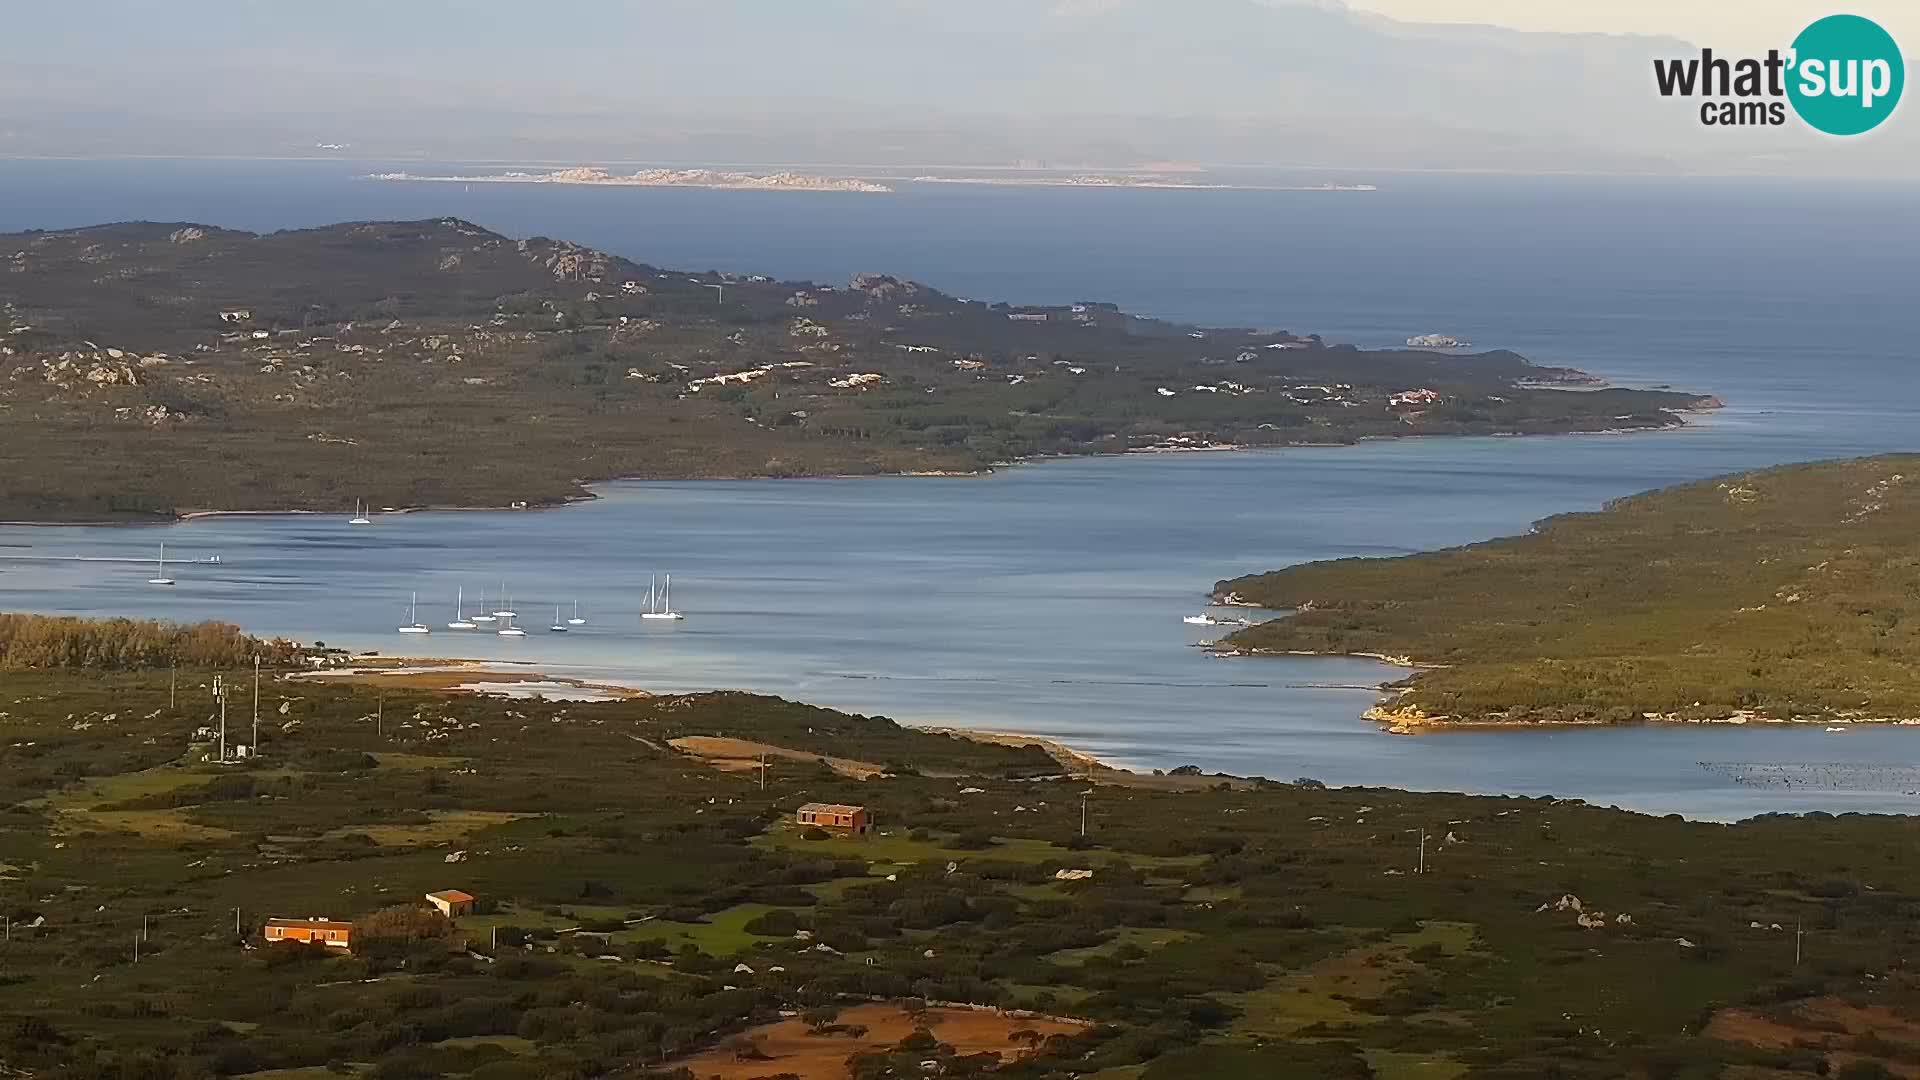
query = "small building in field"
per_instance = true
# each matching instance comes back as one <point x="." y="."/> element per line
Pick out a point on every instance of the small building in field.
<point x="338" y="935"/>
<point x="835" y="817"/>
<point x="452" y="902"/>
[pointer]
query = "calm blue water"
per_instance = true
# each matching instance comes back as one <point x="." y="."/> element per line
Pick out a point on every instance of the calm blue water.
<point x="1047" y="598"/>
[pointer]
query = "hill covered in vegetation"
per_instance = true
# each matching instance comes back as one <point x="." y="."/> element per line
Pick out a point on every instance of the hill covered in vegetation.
<point x="1790" y="594"/>
<point x="643" y="911"/>
<point x="51" y="641"/>
<point x="148" y="370"/>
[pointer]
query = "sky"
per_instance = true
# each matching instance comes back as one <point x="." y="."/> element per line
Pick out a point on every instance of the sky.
<point x="1753" y="25"/>
<point x="1452" y="85"/>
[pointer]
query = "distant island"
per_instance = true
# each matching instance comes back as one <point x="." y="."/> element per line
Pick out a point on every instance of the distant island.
<point x="1787" y="595"/>
<point x="1109" y="180"/>
<point x="153" y="370"/>
<point x="686" y="178"/>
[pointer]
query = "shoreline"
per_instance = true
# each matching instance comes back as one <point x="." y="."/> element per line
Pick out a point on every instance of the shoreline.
<point x="589" y="495"/>
<point x="457" y="676"/>
<point x="453" y="675"/>
<point x="695" y="179"/>
<point x="1412" y="720"/>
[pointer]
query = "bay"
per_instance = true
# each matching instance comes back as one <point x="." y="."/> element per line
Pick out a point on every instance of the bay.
<point x="1047" y="598"/>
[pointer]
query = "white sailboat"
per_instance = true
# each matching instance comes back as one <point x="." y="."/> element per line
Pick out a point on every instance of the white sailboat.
<point x="414" y="625"/>
<point x="1201" y="620"/>
<point x="577" y="620"/>
<point x="511" y="630"/>
<point x="359" y="515"/>
<point x="460" y="620"/>
<point x="483" y="617"/>
<point x="506" y="604"/>
<point x="558" y="627"/>
<point x="660" y="602"/>
<point x="161" y="578"/>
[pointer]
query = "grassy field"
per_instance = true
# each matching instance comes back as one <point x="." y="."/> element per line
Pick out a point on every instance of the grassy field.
<point x="1788" y="594"/>
<point x="640" y="910"/>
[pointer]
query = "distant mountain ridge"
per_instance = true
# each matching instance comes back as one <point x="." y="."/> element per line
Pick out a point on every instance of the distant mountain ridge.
<point x="1108" y="82"/>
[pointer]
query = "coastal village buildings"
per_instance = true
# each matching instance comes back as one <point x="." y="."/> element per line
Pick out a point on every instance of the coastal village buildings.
<point x="452" y="902"/>
<point x="338" y="935"/>
<point x="1422" y="396"/>
<point x="835" y="817"/>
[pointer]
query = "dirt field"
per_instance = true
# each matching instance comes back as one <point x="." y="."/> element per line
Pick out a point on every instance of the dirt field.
<point x="1823" y="1014"/>
<point x="790" y="1049"/>
<point x="741" y="755"/>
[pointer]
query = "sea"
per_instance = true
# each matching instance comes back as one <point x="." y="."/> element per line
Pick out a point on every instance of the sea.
<point x="1048" y="598"/>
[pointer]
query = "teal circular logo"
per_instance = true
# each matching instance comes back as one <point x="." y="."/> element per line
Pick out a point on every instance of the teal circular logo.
<point x="1846" y="75"/>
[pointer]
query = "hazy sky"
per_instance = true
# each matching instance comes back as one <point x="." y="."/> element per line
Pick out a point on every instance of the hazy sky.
<point x="1111" y="83"/>
<point x="1746" y="24"/>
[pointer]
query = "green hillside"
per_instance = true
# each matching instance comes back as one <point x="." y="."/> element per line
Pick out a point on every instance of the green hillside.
<point x="644" y="913"/>
<point x="1791" y="593"/>
<point x="152" y="369"/>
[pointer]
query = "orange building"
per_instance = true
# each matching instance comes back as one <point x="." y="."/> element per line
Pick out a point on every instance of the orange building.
<point x="837" y="817"/>
<point x="338" y="935"/>
<point x="452" y="902"/>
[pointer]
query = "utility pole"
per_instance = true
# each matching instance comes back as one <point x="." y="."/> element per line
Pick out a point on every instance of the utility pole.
<point x="136" y="948"/>
<point x="256" y="707"/>
<point x="380" y="715"/>
<point x="220" y="695"/>
<point x="143" y="928"/>
<point x="1083" y="810"/>
<point x="236" y="922"/>
<point x="1423" y="851"/>
<point x="763" y="771"/>
<point x="173" y="682"/>
<point x="1799" y="936"/>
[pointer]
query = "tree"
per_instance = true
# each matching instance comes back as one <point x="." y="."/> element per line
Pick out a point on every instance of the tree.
<point x="921" y="1041"/>
<point x="400" y="928"/>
